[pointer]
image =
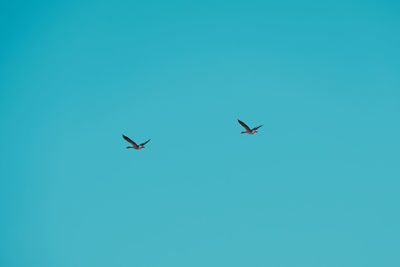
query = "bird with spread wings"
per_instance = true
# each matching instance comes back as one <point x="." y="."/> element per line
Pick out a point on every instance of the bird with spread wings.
<point x="248" y="130"/>
<point x="134" y="145"/>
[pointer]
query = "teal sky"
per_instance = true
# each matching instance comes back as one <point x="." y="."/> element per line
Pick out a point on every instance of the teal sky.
<point x="318" y="186"/>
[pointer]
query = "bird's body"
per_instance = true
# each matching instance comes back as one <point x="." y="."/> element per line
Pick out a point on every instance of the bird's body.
<point x="248" y="130"/>
<point x="134" y="145"/>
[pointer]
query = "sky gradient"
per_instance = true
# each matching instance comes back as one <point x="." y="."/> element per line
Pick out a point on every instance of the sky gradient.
<point x="317" y="186"/>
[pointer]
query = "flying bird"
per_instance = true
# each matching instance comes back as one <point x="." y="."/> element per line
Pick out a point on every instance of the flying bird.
<point x="134" y="145"/>
<point x="248" y="130"/>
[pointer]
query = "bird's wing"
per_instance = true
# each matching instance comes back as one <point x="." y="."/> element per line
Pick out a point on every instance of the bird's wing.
<point x="255" y="128"/>
<point x="142" y="144"/>
<point x="244" y="125"/>
<point x="130" y="141"/>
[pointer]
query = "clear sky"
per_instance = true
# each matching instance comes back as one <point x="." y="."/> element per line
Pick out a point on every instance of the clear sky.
<point x="318" y="186"/>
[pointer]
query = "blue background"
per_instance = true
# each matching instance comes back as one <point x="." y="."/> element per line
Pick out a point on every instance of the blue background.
<point x="318" y="186"/>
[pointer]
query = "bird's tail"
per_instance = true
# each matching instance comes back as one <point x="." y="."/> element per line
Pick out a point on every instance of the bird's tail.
<point x="243" y="132"/>
<point x="128" y="147"/>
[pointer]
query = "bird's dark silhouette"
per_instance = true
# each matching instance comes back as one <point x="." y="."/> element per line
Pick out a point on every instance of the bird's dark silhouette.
<point x="134" y="145"/>
<point x="248" y="130"/>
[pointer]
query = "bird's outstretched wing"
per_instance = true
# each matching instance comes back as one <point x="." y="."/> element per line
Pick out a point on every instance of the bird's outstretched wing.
<point x="255" y="128"/>
<point x="130" y="141"/>
<point x="244" y="125"/>
<point x="142" y="144"/>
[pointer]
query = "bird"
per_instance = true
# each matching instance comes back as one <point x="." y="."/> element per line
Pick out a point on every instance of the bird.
<point x="134" y="145"/>
<point x="248" y="130"/>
